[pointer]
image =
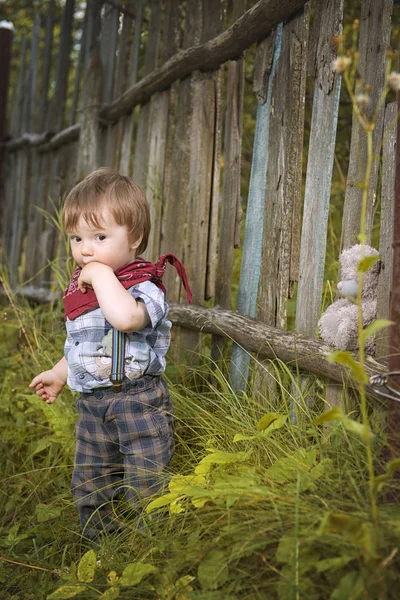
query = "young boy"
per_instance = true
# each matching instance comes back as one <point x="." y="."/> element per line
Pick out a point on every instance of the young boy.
<point x="117" y="338"/>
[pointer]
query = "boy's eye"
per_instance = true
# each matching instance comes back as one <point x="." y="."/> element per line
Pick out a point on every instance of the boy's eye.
<point x="75" y="238"/>
<point x="101" y="238"/>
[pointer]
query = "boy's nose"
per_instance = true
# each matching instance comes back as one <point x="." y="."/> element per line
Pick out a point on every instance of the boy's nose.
<point x="86" y="249"/>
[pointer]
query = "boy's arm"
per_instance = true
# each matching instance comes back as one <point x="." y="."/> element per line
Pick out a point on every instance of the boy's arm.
<point x="61" y="369"/>
<point x="49" y="384"/>
<point x="117" y="305"/>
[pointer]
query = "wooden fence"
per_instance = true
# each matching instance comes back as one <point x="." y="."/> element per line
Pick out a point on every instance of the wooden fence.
<point x="158" y="94"/>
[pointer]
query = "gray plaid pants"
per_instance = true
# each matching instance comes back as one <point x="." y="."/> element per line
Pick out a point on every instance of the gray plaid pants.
<point x="124" y="442"/>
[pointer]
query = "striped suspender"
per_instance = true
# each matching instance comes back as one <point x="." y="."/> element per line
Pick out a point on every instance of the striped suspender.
<point x="117" y="359"/>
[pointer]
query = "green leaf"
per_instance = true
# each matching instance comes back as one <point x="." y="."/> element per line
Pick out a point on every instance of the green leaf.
<point x="213" y="571"/>
<point x="240" y="437"/>
<point x="351" y="587"/>
<point x="67" y="591"/>
<point x="333" y="414"/>
<point x="177" y="506"/>
<point x="375" y="327"/>
<point x="366" y="263"/>
<point x="220" y="458"/>
<point x="182" y="585"/>
<point x="286" y="548"/>
<point x="200" y="502"/>
<point x="112" y="578"/>
<point x="337" y="562"/>
<point x="46" y="513"/>
<point x="266" y="421"/>
<point x="110" y="594"/>
<point x="87" y="567"/>
<point x="351" y="529"/>
<point x="135" y="572"/>
<point x="40" y="445"/>
<point x="380" y="481"/>
<point x="263" y="433"/>
<point x="160" y="502"/>
<point x="361" y="430"/>
<point x="181" y="484"/>
<point x="345" y="358"/>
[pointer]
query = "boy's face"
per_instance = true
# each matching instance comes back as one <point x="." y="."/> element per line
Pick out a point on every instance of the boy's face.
<point x="109" y="245"/>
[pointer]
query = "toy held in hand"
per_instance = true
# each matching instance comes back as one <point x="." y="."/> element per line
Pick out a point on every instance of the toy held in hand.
<point x="338" y="325"/>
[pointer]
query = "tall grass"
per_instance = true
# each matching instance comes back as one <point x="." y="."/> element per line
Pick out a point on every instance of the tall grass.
<point x="256" y="508"/>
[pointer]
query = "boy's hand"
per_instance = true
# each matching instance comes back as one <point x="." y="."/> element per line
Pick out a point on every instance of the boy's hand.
<point x="47" y="385"/>
<point x="89" y="273"/>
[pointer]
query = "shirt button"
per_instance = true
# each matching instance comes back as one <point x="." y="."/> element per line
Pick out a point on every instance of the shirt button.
<point x="81" y="376"/>
<point x="76" y="343"/>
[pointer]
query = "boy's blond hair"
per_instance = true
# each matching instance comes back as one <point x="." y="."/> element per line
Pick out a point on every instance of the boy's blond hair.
<point x="120" y="194"/>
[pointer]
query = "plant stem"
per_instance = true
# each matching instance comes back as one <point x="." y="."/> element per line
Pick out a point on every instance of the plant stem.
<point x="361" y="342"/>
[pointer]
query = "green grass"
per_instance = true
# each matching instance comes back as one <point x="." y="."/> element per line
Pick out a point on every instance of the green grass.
<point x="257" y="507"/>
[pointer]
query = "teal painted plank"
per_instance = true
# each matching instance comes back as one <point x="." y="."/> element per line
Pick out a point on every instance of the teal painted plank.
<point x="251" y="260"/>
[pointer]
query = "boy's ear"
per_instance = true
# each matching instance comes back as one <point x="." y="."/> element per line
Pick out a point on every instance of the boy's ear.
<point x="136" y="243"/>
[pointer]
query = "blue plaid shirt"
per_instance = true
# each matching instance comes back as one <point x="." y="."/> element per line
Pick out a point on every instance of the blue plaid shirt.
<point x="88" y="345"/>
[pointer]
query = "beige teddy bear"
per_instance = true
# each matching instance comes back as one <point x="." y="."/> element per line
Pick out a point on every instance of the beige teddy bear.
<point x="338" y="325"/>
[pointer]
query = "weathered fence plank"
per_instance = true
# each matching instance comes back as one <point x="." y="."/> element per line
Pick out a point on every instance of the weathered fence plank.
<point x="158" y="126"/>
<point x="80" y="67"/>
<point x="159" y="122"/>
<point x="203" y="169"/>
<point x="108" y="47"/>
<point x="35" y="218"/>
<point x="6" y="38"/>
<point x="14" y="217"/>
<point x="283" y="187"/>
<point x="57" y="162"/>
<point x="56" y="114"/>
<point x="387" y="226"/>
<point x="120" y="84"/>
<point x="174" y="228"/>
<point x="141" y="157"/>
<point x="93" y="30"/>
<point x="33" y="166"/>
<point x="205" y="147"/>
<point x="108" y="52"/>
<point x="318" y="181"/>
<point x="171" y="45"/>
<point x="128" y="120"/>
<point x="375" y="29"/>
<point x="34" y="260"/>
<point x="89" y="138"/>
<point x="18" y="125"/>
<point x="251" y="259"/>
<point x="393" y="412"/>
<point x="230" y="209"/>
<point x="319" y="171"/>
<point x="31" y="118"/>
<point x="284" y="173"/>
<point x="211" y="271"/>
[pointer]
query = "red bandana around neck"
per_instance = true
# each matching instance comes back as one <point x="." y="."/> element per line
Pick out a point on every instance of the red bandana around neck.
<point x="76" y="302"/>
